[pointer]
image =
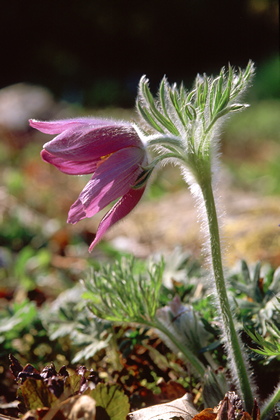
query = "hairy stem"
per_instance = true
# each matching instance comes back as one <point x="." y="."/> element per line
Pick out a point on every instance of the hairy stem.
<point x="270" y="403"/>
<point x="231" y="338"/>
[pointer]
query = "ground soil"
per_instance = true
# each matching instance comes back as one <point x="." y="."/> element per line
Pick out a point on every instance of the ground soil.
<point x="250" y="228"/>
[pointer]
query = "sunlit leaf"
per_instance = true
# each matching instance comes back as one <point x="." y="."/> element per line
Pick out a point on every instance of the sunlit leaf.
<point x="181" y="408"/>
<point x="72" y="385"/>
<point x="90" y="350"/>
<point x="36" y="394"/>
<point x="112" y="399"/>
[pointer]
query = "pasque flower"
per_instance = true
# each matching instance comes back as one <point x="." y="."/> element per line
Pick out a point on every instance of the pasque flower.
<point x="110" y="150"/>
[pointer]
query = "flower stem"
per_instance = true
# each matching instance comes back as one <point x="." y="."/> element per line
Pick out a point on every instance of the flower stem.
<point x="270" y="403"/>
<point x="231" y="338"/>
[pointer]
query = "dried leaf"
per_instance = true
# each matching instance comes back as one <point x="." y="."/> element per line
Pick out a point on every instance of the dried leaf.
<point x="171" y="390"/>
<point x="32" y="415"/>
<point x="79" y="407"/>
<point x="256" y="415"/>
<point x="74" y="408"/>
<point x="206" y="414"/>
<point x="28" y="372"/>
<point x="15" y="366"/>
<point x="231" y="408"/>
<point x="181" y="408"/>
<point x="47" y="388"/>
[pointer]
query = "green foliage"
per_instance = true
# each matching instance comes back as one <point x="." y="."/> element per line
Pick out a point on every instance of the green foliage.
<point x="266" y="348"/>
<point x="178" y="113"/>
<point x="215" y="387"/>
<point x="30" y="264"/>
<point x="112" y="399"/>
<point x="68" y="317"/>
<point x="255" y="294"/>
<point x="17" y="320"/>
<point x="180" y="325"/>
<point x="269" y="342"/>
<point x="17" y="317"/>
<point x="185" y="324"/>
<point x="16" y="234"/>
<point x="125" y="292"/>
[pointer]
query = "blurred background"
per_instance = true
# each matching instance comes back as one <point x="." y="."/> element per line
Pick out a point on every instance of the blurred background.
<point x="93" y="52"/>
<point x="66" y="58"/>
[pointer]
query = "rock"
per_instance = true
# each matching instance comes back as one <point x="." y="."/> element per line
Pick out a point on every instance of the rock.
<point x="20" y="102"/>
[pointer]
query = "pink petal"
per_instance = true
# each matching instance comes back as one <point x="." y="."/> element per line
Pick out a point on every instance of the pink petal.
<point x="70" y="167"/>
<point x="57" y="127"/>
<point x="117" y="212"/>
<point x="86" y="142"/>
<point x="111" y="180"/>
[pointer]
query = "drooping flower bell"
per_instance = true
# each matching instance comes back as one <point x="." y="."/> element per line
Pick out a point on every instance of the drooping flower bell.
<point x="112" y="151"/>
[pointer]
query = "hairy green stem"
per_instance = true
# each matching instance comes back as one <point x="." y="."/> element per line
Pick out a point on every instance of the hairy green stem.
<point x="270" y="403"/>
<point x="231" y="337"/>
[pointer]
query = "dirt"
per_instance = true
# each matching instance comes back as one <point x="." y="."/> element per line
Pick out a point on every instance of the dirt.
<point x="250" y="227"/>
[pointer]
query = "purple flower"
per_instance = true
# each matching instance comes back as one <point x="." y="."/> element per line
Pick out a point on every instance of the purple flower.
<point x="112" y="151"/>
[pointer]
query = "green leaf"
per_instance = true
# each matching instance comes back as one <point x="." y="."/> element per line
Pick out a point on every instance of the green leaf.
<point x="266" y="348"/>
<point x="90" y="350"/>
<point x="177" y="104"/>
<point x="69" y="316"/>
<point x="21" y="316"/>
<point x="150" y="109"/>
<point x="162" y="95"/>
<point x="156" y="113"/>
<point x="112" y="399"/>
<point x="148" y="118"/>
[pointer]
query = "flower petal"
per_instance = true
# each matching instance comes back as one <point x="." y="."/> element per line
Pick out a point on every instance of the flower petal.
<point x="70" y="167"/>
<point x="117" y="212"/>
<point x="58" y="126"/>
<point x="111" y="180"/>
<point x="85" y="142"/>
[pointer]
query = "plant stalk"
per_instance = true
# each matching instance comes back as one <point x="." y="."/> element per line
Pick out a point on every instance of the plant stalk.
<point x="270" y="403"/>
<point x="231" y="338"/>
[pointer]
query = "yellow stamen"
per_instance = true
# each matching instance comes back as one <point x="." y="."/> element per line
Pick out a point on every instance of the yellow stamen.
<point x="103" y="158"/>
